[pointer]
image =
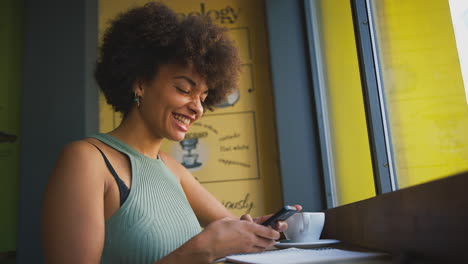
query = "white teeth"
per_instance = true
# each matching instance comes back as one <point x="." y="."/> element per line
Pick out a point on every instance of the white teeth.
<point x="182" y="119"/>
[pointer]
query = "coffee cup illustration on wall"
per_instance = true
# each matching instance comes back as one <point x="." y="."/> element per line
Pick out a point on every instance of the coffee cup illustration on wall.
<point x="189" y="159"/>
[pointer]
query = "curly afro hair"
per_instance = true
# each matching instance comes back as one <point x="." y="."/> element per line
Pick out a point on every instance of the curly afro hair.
<point x="143" y="38"/>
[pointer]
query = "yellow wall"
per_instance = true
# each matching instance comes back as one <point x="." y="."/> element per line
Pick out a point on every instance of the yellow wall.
<point x="236" y="145"/>
<point x="10" y="95"/>
<point x="353" y="167"/>
<point x="424" y="88"/>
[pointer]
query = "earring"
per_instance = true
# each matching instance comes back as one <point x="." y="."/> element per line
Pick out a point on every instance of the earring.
<point x="136" y="99"/>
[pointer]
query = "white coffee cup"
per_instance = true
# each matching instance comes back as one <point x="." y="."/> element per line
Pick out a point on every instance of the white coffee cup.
<point x="305" y="226"/>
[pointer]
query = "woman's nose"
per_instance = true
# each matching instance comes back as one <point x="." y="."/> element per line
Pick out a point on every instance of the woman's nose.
<point x="196" y="107"/>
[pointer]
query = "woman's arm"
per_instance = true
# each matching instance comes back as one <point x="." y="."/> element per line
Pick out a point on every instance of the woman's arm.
<point x="222" y="238"/>
<point x="205" y="205"/>
<point x="224" y="233"/>
<point x="73" y="207"/>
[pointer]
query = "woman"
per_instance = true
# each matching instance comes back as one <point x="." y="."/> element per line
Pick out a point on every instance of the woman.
<point x="116" y="198"/>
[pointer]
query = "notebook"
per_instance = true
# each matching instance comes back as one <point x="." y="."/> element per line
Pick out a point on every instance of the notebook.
<point x="302" y="256"/>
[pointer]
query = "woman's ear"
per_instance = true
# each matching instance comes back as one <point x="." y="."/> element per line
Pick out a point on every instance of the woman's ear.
<point x="138" y="88"/>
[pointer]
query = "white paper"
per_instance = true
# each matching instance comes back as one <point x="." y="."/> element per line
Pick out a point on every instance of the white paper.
<point x="302" y="256"/>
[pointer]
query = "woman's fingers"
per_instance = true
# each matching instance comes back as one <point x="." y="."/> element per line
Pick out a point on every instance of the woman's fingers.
<point x="281" y="226"/>
<point x="298" y="207"/>
<point x="261" y="243"/>
<point x="264" y="243"/>
<point x="266" y="232"/>
<point x="262" y="219"/>
<point x="247" y="217"/>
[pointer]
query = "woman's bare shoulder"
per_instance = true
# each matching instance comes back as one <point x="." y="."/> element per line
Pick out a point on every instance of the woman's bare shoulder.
<point x="79" y="157"/>
<point x="166" y="157"/>
<point x="78" y="147"/>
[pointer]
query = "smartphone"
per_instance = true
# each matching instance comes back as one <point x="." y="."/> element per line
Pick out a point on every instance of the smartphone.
<point x="283" y="214"/>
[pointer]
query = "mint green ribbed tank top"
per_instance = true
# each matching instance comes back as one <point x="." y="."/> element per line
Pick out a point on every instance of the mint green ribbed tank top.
<point x="155" y="219"/>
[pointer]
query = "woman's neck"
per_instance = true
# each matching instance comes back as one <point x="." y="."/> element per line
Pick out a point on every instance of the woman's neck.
<point x="134" y="132"/>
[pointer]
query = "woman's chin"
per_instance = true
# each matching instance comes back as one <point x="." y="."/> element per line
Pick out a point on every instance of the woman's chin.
<point x="177" y="137"/>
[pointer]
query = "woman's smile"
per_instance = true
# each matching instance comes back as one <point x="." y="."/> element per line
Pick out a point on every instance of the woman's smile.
<point x="183" y="122"/>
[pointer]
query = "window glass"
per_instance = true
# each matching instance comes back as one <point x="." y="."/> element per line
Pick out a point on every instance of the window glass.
<point x="459" y="12"/>
<point x="352" y="166"/>
<point x="423" y="88"/>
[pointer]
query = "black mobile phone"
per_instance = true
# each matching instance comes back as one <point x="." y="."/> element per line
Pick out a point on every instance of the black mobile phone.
<point x="283" y="214"/>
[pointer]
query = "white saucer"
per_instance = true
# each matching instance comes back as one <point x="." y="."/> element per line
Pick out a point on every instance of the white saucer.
<point x="313" y="244"/>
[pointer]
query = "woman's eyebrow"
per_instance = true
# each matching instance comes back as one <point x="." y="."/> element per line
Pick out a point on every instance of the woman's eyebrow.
<point x="187" y="79"/>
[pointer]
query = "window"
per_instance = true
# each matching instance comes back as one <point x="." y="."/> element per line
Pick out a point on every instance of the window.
<point x="338" y="94"/>
<point x="394" y="113"/>
<point x="418" y="68"/>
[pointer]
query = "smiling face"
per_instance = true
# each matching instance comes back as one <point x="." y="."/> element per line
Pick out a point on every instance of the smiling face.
<point x="172" y="101"/>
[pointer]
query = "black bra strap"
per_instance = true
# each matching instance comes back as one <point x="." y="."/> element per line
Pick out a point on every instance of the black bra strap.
<point x="123" y="189"/>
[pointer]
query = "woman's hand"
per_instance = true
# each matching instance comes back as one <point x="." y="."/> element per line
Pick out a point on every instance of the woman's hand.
<point x="281" y="226"/>
<point x="231" y="236"/>
<point x="221" y="238"/>
<point x="225" y="237"/>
